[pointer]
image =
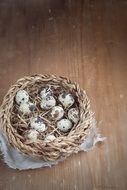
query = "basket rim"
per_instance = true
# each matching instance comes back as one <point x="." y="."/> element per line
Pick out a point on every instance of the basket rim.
<point x="61" y="147"/>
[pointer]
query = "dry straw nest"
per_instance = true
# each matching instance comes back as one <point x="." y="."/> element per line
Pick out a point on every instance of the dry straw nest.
<point x="14" y="125"/>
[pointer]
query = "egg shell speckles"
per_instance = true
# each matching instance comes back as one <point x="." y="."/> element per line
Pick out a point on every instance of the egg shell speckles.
<point x="48" y="102"/>
<point x="32" y="135"/>
<point x="57" y="113"/>
<point x="21" y="97"/>
<point x="64" y="125"/>
<point x="47" y="91"/>
<point x="27" y="107"/>
<point x="66" y="99"/>
<point x="73" y="115"/>
<point x="37" y="124"/>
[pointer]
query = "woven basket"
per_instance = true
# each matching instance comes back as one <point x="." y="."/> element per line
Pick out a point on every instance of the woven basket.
<point x="66" y="143"/>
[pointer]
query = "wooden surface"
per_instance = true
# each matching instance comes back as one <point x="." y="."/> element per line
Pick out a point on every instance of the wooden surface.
<point x="87" y="42"/>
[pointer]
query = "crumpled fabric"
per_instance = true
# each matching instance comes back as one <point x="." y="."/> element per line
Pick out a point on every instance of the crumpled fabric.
<point x="17" y="160"/>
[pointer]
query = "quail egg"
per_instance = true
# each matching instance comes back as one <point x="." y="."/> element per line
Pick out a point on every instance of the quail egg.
<point x="73" y="115"/>
<point x="21" y="96"/>
<point x="50" y="138"/>
<point x="27" y="107"/>
<point x="66" y="99"/>
<point x="37" y="124"/>
<point x="64" y="125"/>
<point x="47" y="91"/>
<point x="48" y="102"/>
<point x="32" y="135"/>
<point x="57" y="113"/>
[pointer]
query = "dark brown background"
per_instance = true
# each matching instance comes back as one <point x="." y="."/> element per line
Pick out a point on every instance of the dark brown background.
<point x="87" y="42"/>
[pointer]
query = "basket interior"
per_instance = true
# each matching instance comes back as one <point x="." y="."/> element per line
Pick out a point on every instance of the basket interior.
<point x="21" y="122"/>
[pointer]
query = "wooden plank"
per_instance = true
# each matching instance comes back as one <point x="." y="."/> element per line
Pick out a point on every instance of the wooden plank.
<point x="85" y="41"/>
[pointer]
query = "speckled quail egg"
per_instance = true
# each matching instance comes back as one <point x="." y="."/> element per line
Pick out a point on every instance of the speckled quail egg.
<point x="66" y="99"/>
<point x="21" y="96"/>
<point x="49" y="138"/>
<point x="47" y="91"/>
<point x="48" y="102"/>
<point x="32" y="135"/>
<point x="27" y="107"/>
<point x="37" y="124"/>
<point x="57" y="113"/>
<point x="73" y="115"/>
<point x="64" y="125"/>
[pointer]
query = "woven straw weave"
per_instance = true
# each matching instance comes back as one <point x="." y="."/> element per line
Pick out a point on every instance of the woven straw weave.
<point x="65" y="144"/>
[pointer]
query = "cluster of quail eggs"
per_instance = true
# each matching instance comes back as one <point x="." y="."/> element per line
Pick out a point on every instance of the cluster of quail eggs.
<point x="62" y="112"/>
<point x="22" y="99"/>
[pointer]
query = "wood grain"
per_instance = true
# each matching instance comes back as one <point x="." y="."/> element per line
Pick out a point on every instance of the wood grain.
<point x="85" y="40"/>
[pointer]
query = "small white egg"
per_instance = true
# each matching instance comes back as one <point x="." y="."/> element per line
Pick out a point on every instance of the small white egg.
<point x="32" y="135"/>
<point x="21" y="96"/>
<point x="66" y="99"/>
<point x="64" y="125"/>
<point x="57" y="113"/>
<point x="49" y="138"/>
<point x="47" y="91"/>
<point x="73" y="114"/>
<point x="37" y="124"/>
<point x="48" y="102"/>
<point x="27" y="107"/>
